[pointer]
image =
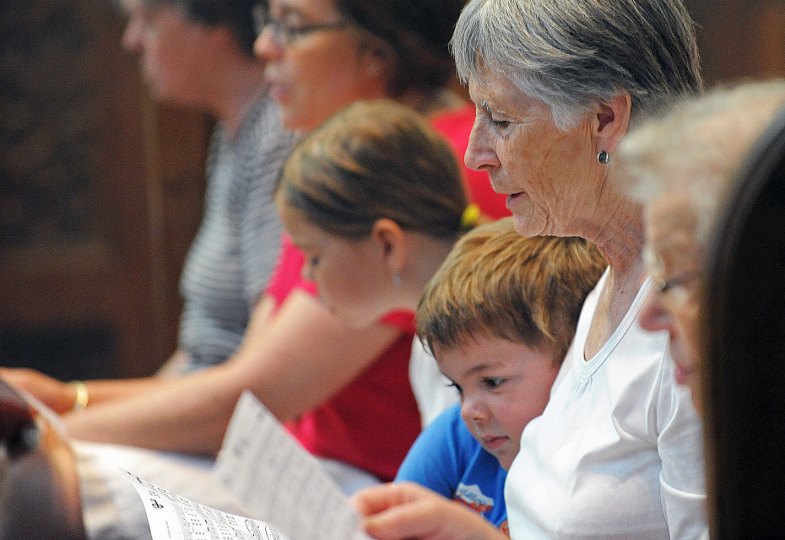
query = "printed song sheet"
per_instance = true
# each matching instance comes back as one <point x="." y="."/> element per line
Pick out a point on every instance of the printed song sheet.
<point x="172" y="517"/>
<point x="279" y="480"/>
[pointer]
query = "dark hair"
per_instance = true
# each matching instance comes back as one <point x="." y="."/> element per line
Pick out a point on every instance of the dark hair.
<point x="743" y="334"/>
<point x="236" y="15"/>
<point x="374" y="160"/>
<point x="418" y="33"/>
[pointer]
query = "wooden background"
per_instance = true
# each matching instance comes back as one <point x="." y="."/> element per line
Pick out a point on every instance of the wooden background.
<point x="101" y="189"/>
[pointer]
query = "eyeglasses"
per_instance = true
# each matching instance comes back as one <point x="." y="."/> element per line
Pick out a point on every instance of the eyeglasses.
<point x="664" y="285"/>
<point x="677" y="291"/>
<point x="284" y="34"/>
<point x="677" y="287"/>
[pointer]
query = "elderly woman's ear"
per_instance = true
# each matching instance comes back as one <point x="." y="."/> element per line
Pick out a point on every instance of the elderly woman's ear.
<point x="610" y="121"/>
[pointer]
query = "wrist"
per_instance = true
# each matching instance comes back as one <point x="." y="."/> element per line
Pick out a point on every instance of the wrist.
<point x="82" y="396"/>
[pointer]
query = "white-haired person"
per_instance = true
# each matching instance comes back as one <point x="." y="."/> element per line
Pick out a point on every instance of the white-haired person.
<point x="685" y="166"/>
<point x="680" y="166"/>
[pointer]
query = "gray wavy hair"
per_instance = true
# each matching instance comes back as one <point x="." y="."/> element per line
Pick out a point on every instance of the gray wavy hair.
<point x="571" y="54"/>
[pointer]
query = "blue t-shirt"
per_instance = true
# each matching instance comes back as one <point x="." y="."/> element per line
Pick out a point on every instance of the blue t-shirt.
<point x="448" y="460"/>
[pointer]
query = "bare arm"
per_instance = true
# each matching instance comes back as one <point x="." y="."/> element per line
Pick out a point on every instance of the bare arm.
<point x="301" y="358"/>
<point x="406" y="510"/>
<point x="61" y="396"/>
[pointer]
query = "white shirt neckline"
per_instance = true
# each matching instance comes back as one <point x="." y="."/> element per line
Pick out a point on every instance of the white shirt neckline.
<point x="587" y="367"/>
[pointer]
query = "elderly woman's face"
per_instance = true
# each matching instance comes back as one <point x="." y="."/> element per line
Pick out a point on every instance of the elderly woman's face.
<point x="550" y="176"/>
<point x="673" y="258"/>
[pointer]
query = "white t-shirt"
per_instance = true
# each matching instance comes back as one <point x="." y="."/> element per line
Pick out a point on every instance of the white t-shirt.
<point x="432" y="390"/>
<point x="617" y="453"/>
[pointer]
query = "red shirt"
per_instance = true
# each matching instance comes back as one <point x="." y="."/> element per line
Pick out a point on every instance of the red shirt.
<point x="455" y="126"/>
<point x="372" y="422"/>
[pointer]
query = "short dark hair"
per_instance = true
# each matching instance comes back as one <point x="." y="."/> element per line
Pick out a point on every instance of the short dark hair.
<point x="418" y="33"/>
<point x="236" y="15"/>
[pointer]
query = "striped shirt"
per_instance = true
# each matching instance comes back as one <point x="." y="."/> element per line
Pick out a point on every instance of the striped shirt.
<point x="235" y="249"/>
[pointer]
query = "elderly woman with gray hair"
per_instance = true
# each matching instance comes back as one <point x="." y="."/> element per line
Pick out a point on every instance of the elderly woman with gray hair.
<point x="617" y="452"/>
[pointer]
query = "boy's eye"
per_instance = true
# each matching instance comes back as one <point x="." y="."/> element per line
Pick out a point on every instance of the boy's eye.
<point x="313" y="261"/>
<point x="493" y="382"/>
<point x="456" y="386"/>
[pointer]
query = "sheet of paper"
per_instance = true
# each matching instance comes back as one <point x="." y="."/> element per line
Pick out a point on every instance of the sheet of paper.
<point x="172" y="517"/>
<point x="279" y="480"/>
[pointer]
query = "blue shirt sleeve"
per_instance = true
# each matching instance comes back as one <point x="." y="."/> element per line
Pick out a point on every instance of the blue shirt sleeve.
<point x="440" y="455"/>
<point x="448" y="460"/>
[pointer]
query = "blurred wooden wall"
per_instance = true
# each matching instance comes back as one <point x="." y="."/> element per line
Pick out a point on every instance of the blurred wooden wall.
<point x="101" y="189"/>
<point x="100" y="195"/>
<point x="740" y="38"/>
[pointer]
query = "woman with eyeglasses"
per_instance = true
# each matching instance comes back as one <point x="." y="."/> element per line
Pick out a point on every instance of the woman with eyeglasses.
<point x="344" y="392"/>
<point x="323" y="55"/>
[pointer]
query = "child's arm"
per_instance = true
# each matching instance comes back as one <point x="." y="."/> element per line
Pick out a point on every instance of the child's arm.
<point x="406" y="510"/>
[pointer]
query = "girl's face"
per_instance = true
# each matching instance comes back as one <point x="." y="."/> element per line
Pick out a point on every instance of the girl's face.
<point x="502" y="385"/>
<point x="350" y="275"/>
<point x="316" y="61"/>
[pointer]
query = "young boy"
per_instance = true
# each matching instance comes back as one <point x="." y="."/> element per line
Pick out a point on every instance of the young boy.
<point x="498" y="316"/>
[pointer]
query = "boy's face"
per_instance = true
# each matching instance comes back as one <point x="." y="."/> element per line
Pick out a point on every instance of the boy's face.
<point x="502" y="386"/>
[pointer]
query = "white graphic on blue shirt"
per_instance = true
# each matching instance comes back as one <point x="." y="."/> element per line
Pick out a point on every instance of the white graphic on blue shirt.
<point x="473" y="497"/>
